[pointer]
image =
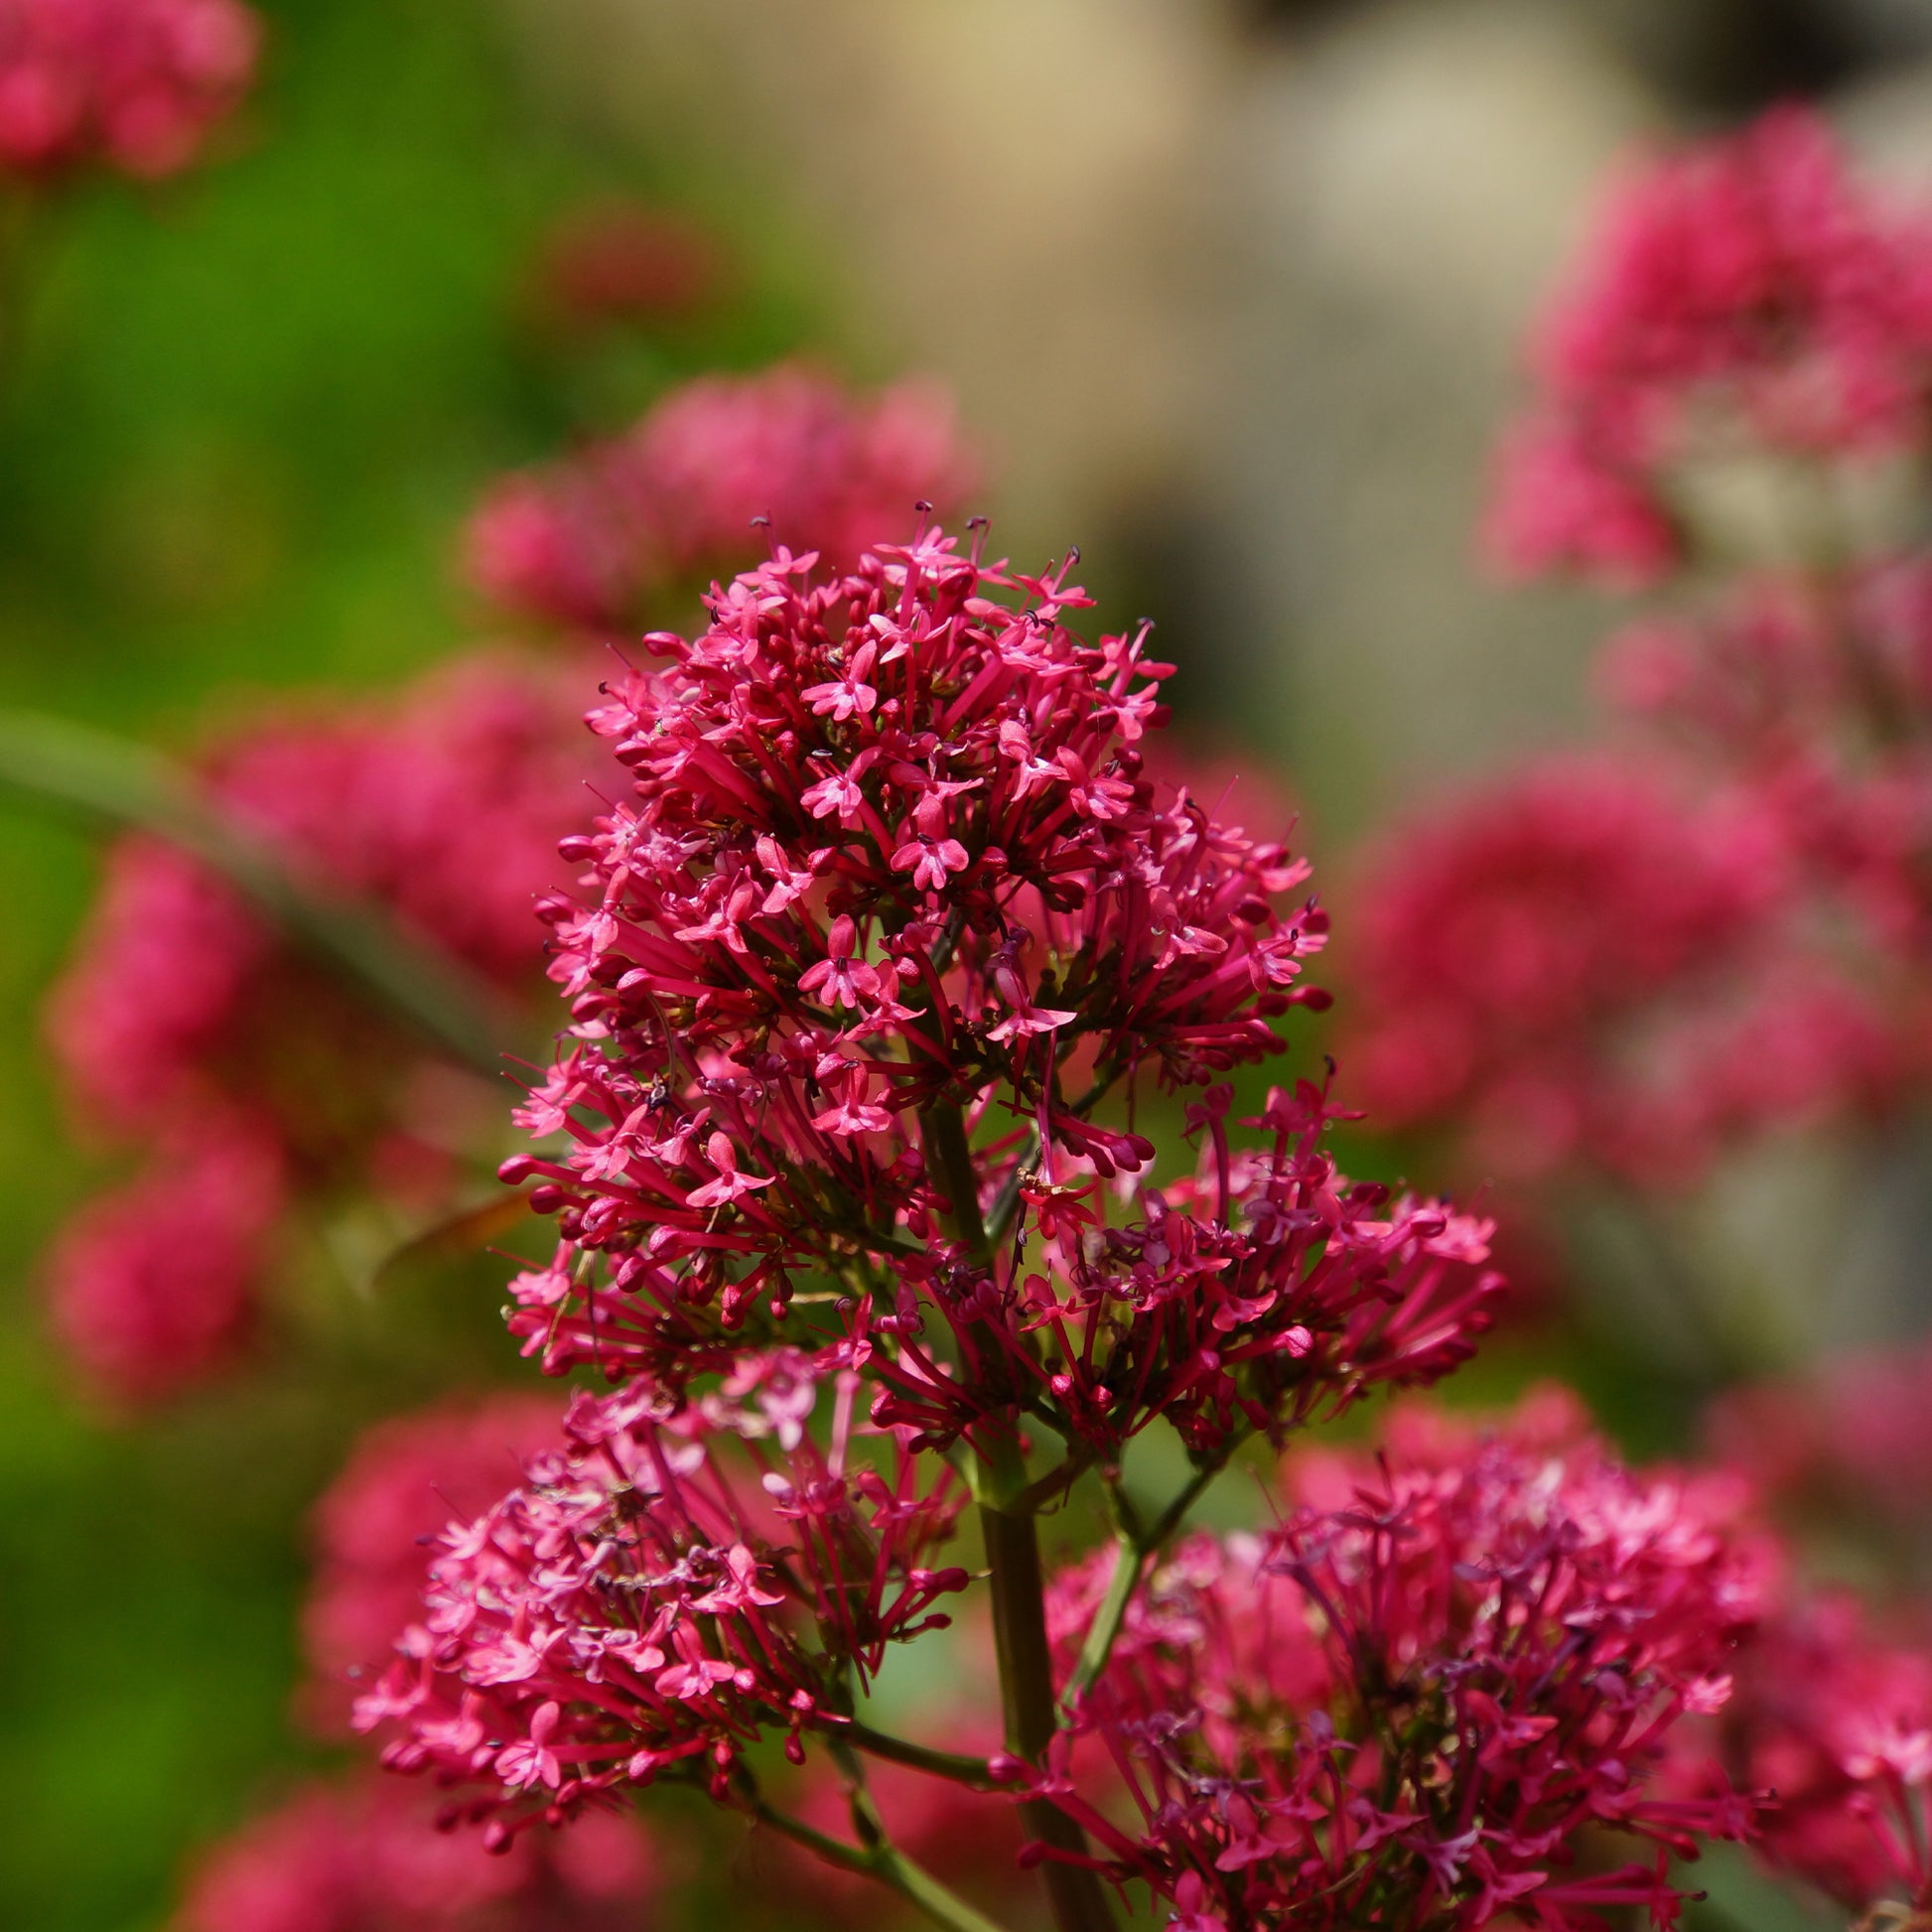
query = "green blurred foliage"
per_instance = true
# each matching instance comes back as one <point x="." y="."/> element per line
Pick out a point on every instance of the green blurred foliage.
<point x="240" y="420"/>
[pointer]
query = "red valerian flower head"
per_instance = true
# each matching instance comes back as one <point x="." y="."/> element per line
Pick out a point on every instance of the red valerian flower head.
<point x="634" y="1609"/>
<point x="1837" y="1722"/>
<point x="406" y="1478"/>
<point x="1403" y="1710"/>
<point x="150" y="1284"/>
<point x="184" y="1020"/>
<point x="598" y="540"/>
<point x="365" y="1858"/>
<point x="134" y="85"/>
<point x="1745" y="292"/>
<point x="1581" y="962"/>
<point x="893" y="859"/>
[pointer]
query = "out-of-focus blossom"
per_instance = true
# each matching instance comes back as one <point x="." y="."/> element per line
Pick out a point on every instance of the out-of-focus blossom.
<point x="621" y="261"/>
<point x="367" y="1856"/>
<point x="1835" y="1721"/>
<point x="1583" y="963"/>
<point x="704" y="483"/>
<point x="184" y="1019"/>
<point x="1746" y="295"/>
<point x="1414" y="1705"/>
<point x="406" y="1480"/>
<point x="134" y="85"/>
<point x="150" y="1284"/>
<point x="1850" y="1435"/>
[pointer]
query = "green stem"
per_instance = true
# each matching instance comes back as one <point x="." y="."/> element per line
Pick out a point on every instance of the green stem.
<point x="1131" y="1550"/>
<point x="882" y="1862"/>
<point x="1078" y="1901"/>
<point x="48" y="760"/>
<point x="1027" y="1698"/>
<point x="942" y="1134"/>
<point x="1129" y="1558"/>
<point x="922" y="1757"/>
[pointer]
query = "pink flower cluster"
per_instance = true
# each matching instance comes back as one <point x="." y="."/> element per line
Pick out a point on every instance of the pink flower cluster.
<point x="134" y="85"/>
<point x="1586" y="965"/>
<point x="1633" y="963"/>
<point x="1748" y="292"/>
<point x="630" y="1610"/>
<point x="1403" y="1705"/>
<point x="1851" y="1439"/>
<point x="600" y="539"/>
<point x="408" y="1478"/>
<point x="154" y="1282"/>
<point x="365" y="1858"/>
<point x="892" y="850"/>
<point x="1837" y="1722"/>
<point x="185" y="1024"/>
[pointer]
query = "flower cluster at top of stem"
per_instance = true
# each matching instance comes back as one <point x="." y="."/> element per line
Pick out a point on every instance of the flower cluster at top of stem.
<point x="1403" y="1705"/>
<point x="134" y="85"/>
<point x="893" y="910"/>
<point x="598" y="539"/>
<point x="1746" y="293"/>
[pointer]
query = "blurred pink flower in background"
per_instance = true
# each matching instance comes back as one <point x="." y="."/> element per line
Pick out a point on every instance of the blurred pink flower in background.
<point x="130" y="84"/>
<point x="185" y="1021"/>
<point x="600" y="537"/>
<point x="366" y="1855"/>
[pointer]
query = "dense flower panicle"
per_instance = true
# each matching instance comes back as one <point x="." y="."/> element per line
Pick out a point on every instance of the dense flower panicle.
<point x="1405" y="1709"/>
<point x="635" y="1607"/>
<point x="893" y="852"/>
<point x="134" y="85"/>
<point x="598" y="539"/>
<point x="366" y="1858"/>
<point x="150" y="1284"/>
<point x="1835" y="1721"/>
<point x="1746" y="294"/>
<point x="406" y="1478"/>
<point x="1581" y="962"/>
<point x="183" y="1020"/>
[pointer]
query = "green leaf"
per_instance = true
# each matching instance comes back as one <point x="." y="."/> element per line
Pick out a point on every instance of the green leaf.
<point x="52" y="761"/>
